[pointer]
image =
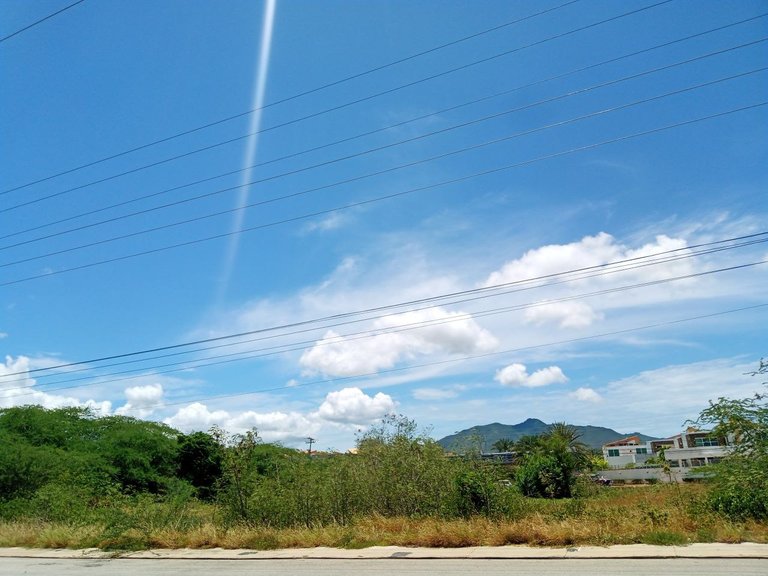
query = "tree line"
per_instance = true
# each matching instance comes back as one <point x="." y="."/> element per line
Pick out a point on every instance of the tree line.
<point x="67" y="465"/>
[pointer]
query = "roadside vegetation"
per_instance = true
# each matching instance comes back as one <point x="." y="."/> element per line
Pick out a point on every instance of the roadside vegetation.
<point x="69" y="479"/>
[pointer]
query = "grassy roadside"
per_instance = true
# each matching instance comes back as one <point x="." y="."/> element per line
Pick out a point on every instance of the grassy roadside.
<point x="658" y="514"/>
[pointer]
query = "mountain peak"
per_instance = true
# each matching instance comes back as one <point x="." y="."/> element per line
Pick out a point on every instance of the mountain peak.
<point x="488" y="434"/>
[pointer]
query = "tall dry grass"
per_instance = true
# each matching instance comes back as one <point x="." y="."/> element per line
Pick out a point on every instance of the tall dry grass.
<point x="658" y="514"/>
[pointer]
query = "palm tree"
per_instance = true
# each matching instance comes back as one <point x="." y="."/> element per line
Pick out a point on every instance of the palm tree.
<point x="527" y="445"/>
<point x="567" y="436"/>
<point x="504" y="445"/>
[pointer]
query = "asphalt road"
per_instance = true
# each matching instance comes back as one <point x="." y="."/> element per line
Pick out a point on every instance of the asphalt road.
<point x="384" y="567"/>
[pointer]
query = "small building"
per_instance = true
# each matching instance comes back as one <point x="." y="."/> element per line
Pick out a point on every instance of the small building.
<point x="629" y="450"/>
<point x="689" y="449"/>
<point x="694" y="448"/>
<point x="498" y="457"/>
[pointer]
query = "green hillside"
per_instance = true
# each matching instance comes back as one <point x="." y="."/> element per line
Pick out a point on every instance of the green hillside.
<point x="593" y="436"/>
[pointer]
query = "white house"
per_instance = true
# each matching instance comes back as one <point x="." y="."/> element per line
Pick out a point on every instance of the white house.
<point x="688" y="449"/>
<point x="630" y="450"/>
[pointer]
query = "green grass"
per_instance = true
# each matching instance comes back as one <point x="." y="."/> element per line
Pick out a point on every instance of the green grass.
<point x="660" y="514"/>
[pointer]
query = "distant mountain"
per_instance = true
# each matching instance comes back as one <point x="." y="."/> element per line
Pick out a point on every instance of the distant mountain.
<point x="592" y="436"/>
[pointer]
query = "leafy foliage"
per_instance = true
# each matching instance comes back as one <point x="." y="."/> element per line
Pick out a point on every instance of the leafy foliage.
<point x="740" y="484"/>
<point x="550" y="461"/>
<point x="200" y="463"/>
<point x="504" y="445"/>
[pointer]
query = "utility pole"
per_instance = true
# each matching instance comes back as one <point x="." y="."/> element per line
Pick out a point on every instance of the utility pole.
<point x="310" y="441"/>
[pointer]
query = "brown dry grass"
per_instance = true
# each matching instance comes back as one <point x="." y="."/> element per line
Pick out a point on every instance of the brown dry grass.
<point x="653" y="514"/>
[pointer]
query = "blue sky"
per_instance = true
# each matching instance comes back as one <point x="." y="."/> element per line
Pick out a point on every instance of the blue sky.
<point x="407" y="151"/>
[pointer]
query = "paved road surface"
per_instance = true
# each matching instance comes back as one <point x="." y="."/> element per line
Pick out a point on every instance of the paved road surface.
<point x="389" y="567"/>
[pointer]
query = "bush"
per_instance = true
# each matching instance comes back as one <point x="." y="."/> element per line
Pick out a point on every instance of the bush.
<point x="740" y="481"/>
<point x="545" y="476"/>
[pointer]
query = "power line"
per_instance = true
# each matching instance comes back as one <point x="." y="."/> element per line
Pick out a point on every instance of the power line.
<point x="377" y="149"/>
<point x="382" y="129"/>
<point x="357" y="178"/>
<point x="469" y="296"/>
<point x="365" y="98"/>
<point x="455" y="360"/>
<point x="4" y="38"/>
<point x="476" y="356"/>
<point x="300" y="346"/>
<point x="598" y="269"/>
<point x="382" y="198"/>
<point x="289" y="98"/>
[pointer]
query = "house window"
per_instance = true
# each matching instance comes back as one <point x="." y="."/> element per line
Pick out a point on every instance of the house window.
<point x="701" y="442"/>
<point x="613" y="452"/>
<point x="642" y="451"/>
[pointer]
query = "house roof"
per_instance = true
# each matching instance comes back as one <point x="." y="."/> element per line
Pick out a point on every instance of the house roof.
<point x="628" y="441"/>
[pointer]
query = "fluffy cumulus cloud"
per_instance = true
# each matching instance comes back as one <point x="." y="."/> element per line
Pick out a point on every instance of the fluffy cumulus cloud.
<point x="585" y="395"/>
<point x="271" y="426"/>
<point x="17" y="388"/>
<point x="439" y="332"/>
<point x="517" y="375"/>
<point x="353" y="406"/>
<point x="197" y="417"/>
<point x="591" y="252"/>
<point x="141" y="401"/>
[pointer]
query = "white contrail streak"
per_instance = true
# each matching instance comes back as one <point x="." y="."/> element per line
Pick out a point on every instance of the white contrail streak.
<point x="252" y="144"/>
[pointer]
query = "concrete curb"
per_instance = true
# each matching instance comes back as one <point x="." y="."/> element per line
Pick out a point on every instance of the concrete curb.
<point x="744" y="550"/>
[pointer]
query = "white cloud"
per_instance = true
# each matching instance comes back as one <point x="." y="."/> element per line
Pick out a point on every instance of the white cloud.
<point x="565" y="314"/>
<point x="353" y="406"/>
<point x="271" y="426"/>
<point x="517" y="375"/>
<point x="3" y="335"/>
<point x="590" y="251"/>
<point x="274" y="426"/>
<point x="19" y="389"/>
<point x="197" y="417"/>
<point x="442" y="332"/>
<point x="593" y="252"/>
<point x="434" y="393"/>
<point x="585" y="395"/>
<point x="141" y="400"/>
<point x="332" y="221"/>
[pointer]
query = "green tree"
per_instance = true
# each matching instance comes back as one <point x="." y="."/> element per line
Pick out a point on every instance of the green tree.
<point x="740" y="483"/>
<point x="567" y="437"/>
<point x="527" y="445"/>
<point x="504" y="445"/>
<point x="240" y="474"/>
<point x="143" y="455"/>
<point x="549" y="462"/>
<point x="200" y="462"/>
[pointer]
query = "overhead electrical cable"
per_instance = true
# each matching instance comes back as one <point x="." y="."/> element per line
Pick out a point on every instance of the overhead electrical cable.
<point x="598" y="268"/>
<point x="289" y="98"/>
<point x="354" y="336"/>
<point x="385" y="197"/>
<point x="375" y="131"/>
<point x="431" y="302"/>
<point x="96" y="380"/>
<point x="191" y="363"/>
<point x="394" y="144"/>
<point x="297" y="347"/>
<point x="357" y="178"/>
<point x="467" y="358"/>
<point x="378" y="94"/>
<point x="9" y="36"/>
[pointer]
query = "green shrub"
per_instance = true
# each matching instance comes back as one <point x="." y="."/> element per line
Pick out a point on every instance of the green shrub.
<point x="664" y="538"/>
